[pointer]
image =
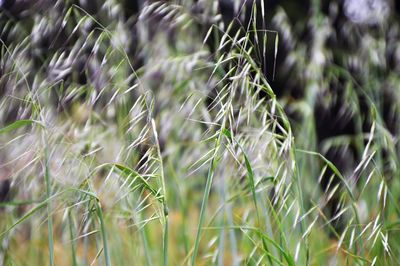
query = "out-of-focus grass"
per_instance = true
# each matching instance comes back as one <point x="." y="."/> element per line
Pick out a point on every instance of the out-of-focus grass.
<point x="137" y="165"/>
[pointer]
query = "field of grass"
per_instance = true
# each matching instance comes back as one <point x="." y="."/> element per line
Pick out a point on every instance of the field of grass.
<point x="154" y="137"/>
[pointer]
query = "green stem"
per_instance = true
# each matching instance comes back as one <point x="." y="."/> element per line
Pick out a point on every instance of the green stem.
<point x="164" y="202"/>
<point x="50" y="219"/>
<point x="103" y="234"/>
<point x="71" y="234"/>
<point x="210" y="177"/>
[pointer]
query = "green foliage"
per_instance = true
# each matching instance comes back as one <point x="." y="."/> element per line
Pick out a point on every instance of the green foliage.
<point x="137" y="141"/>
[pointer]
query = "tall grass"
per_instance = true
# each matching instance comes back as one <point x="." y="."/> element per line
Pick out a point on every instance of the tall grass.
<point x="157" y="148"/>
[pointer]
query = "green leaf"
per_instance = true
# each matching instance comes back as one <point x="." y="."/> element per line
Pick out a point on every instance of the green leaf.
<point x="25" y="217"/>
<point x="17" y="124"/>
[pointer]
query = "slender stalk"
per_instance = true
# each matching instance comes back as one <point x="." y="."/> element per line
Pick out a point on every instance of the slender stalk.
<point x="164" y="202"/>
<point x="49" y="219"/>
<point x="145" y="247"/>
<point x="210" y="177"/>
<point x="71" y="234"/>
<point x="165" y="242"/>
<point x="103" y="234"/>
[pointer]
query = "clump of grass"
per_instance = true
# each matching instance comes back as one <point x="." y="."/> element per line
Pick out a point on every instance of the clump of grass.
<point x="174" y="152"/>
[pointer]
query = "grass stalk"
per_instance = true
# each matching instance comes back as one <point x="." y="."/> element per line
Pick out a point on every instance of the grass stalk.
<point x="72" y="237"/>
<point x="49" y="208"/>
<point x="164" y="191"/>
<point x="103" y="234"/>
